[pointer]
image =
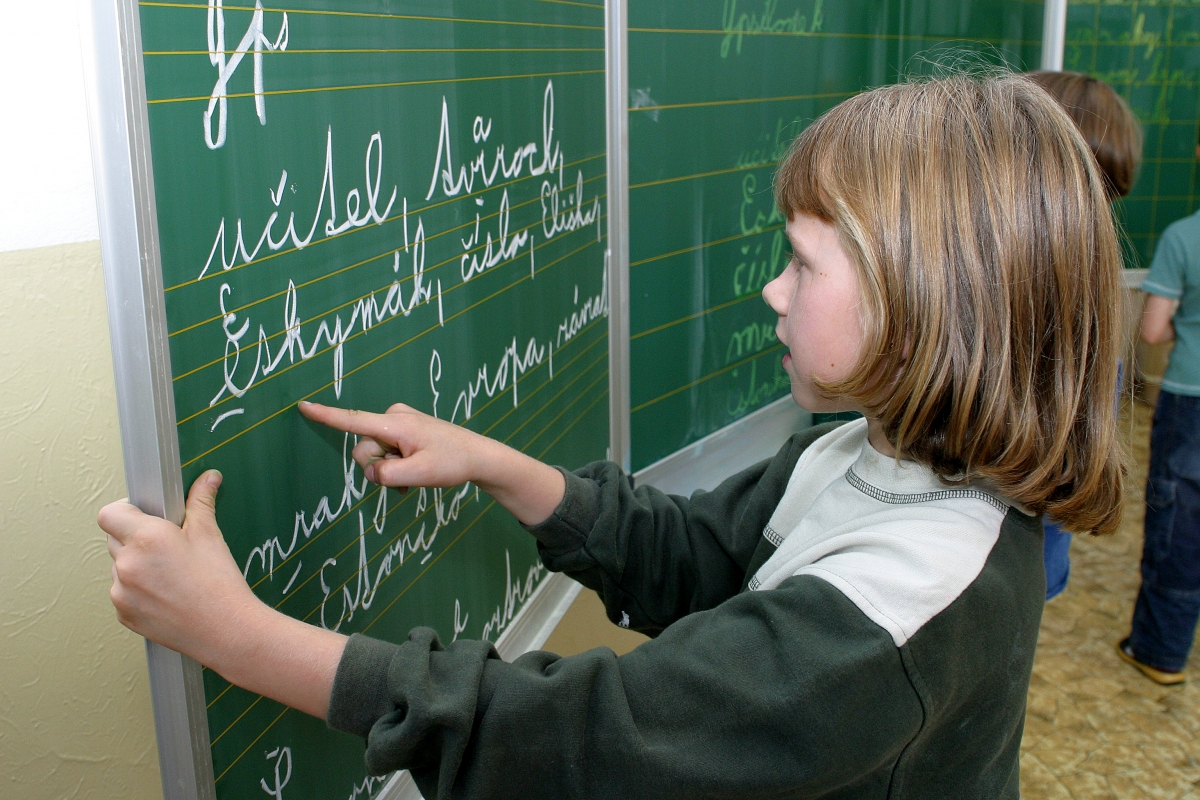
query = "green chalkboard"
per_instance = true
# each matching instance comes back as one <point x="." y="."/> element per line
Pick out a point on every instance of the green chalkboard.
<point x="718" y="88"/>
<point x="363" y="202"/>
<point x="1150" y="52"/>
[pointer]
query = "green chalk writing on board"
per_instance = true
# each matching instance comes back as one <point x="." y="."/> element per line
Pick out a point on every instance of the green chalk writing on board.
<point x="752" y="200"/>
<point x="756" y="392"/>
<point x="255" y="38"/>
<point x="771" y="146"/>
<point x="754" y="338"/>
<point x="751" y="275"/>
<point x="736" y="25"/>
<point x="1149" y="54"/>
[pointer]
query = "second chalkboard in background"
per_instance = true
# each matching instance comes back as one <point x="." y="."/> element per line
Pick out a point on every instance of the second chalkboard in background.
<point x="718" y="90"/>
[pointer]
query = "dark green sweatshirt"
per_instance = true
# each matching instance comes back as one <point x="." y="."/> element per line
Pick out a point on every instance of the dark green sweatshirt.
<point x="796" y="691"/>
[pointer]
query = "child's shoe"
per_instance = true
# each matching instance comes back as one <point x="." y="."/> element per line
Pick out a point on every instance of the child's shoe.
<point x="1165" y="677"/>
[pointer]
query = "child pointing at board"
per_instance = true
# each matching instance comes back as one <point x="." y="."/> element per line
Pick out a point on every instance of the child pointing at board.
<point x="854" y="618"/>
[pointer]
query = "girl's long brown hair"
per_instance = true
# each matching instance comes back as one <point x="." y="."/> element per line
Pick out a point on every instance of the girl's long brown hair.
<point x="990" y="271"/>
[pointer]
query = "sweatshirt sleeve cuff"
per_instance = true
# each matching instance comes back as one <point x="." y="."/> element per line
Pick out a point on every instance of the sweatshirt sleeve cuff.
<point x="360" y="687"/>
<point x="567" y="528"/>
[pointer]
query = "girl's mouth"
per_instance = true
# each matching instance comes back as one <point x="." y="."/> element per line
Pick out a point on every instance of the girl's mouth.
<point x="787" y="357"/>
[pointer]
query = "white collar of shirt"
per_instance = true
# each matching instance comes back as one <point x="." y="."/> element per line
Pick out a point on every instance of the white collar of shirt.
<point x="889" y="535"/>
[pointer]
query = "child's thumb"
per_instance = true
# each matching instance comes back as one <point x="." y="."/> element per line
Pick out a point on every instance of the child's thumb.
<point x="202" y="499"/>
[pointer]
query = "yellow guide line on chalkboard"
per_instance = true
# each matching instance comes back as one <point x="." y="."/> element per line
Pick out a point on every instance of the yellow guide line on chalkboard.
<point x="702" y="175"/>
<point x="418" y="577"/>
<point x="249" y="746"/>
<point x="578" y="419"/>
<point x="379" y="51"/>
<point x="697" y="315"/>
<point x="348" y="303"/>
<point x="334" y="590"/>
<point x="417" y="519"/>
<point x="707" y="377"/>
<point x="389" y="85"/>
<point x="572" y="3"/>
<point x="490" y="428"/>
<point x="558" y="416"/>
<point x="890" y="37"/>
<point x="553" y="399"/>
<point x="390" y="251"/>
<point x="362" y="332"/>
<point x="742" y="101"/>
<point x="703" y="245"/>
<point x="395" y="218"/>
<point x="403" y="503"/>
<point x="372" y="361"/>
<point x="376" y="15"/>
<point x="575" y="422"/>
<point x="526" y="397"/>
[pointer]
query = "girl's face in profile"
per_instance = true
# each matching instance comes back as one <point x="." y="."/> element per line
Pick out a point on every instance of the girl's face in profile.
<point x="817" y="298"/>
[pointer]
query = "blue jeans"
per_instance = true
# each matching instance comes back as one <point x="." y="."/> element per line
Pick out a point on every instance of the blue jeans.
<point x="1057" y="557"/>
<point x="1168" y="604"/>
<point x="1056" y="554"/>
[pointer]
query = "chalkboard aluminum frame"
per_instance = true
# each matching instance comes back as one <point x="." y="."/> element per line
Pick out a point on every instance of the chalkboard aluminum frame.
<point x="137" y="324"/>
<point x="616" y="46"/>
<point x="1054" y="35"/>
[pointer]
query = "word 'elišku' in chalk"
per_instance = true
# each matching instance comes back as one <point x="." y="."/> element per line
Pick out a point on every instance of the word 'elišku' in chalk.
<point x="394" y="556"/>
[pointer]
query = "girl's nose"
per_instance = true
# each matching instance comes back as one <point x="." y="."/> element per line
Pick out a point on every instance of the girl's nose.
<point x="776" y="296"/>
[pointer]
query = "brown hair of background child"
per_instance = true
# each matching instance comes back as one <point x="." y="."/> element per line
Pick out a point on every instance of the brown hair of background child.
<point x="990" y="316"/>
<point x="1106" y="122"/>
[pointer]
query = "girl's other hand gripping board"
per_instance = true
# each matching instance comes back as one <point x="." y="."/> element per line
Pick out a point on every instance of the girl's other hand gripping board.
<point x="180" y="587"/>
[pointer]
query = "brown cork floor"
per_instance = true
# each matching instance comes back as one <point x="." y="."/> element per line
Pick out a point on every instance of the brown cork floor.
<point x="1095" y="727"/>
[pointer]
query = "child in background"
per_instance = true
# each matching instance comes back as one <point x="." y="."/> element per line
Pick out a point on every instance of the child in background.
<point x="854" y="618"/>
<point x="1168" y="602"/>
<point x="1115" y="138"/>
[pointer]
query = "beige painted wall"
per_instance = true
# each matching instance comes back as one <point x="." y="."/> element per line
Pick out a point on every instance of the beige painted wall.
<point x="75" y="718"/>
